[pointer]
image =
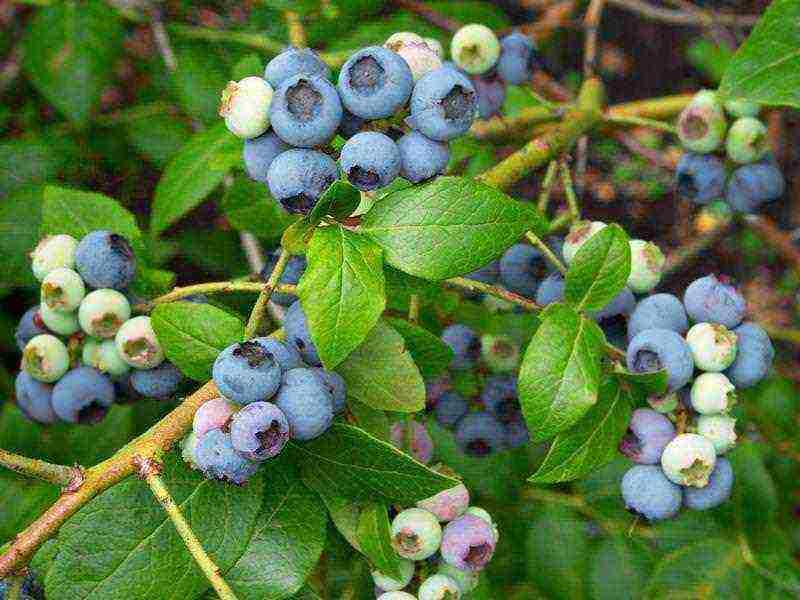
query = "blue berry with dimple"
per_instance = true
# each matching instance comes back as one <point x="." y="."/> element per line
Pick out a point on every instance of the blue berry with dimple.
<point x="295" y="326"/>
<point x="160" y="382"/>
<point x="518" y="58"/>
<point x="659" y="311"/>
<point x="522" y="268"/>
<point x="259" y="431"/>
<point x="292" y="273"/>
<point x="620" y="305"/>
<point x="491" y="92"/>
<point x="751" y="186"/>
<point x="30" y="325"/>
<point x="370" y="160"/>
<point x="422" y="158"/>
<point x="35" y="399"/>
<point x="464" y="343"/>
<point x="292" y="62"/>
<point x="647" y="492"/>
<point x="259" y="153"/>
<point x="246" y="372"/>
<point x="305" y="111"/>
<point x="105" y="260"/>
<point x="656" y="349"/>
<point x="717" y="491"/>
<point x="710" y="300"/>
<point x="648" y="434"/>
<point x="216" y="457"/>
<point x="450" y="408"/>
<point x="284" y="354"/>
<point x="83" y="395"/>
<point x="443" y="105"/>
<point x="479" y="434"/>
<point x="336" y="386"/>
<point x="754" y="355"/>
<point x="375" y="83"/>
<point x="298" y="177"/>
<point x="307" y="403"/>
<point x="700" y="178"/>
<point x="499" y="396"/>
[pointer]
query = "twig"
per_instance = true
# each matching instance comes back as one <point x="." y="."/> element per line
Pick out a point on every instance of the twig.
<point x="547" y="185"/>
<point x="569" y="191"/>
<point x="213" y="287"/>
<point x="413" y="309"/>
<point x="162" y="39"/>
<point x="297" y="34"/>
<point x="623" y="121"/>
<point x="70" y="478"/>
<point x="431" y="16"/>
<point x="493" y="290"/>
<point x="654" y="157"/>
<point x="548" y="254"/>
<point x="255" y="258"/>
<point x="591" y="26"/>
<point x="681" y="257"/>
<point x="257" y="315"/>
<point x="149" y="470"/>
<point x="677" y="17"/>
<point x="780" y="240"/>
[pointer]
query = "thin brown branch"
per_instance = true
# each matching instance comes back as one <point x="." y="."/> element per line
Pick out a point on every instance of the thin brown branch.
<point x="431" y="16"/>
<point x="69" y="478"/>
<point x="778" y="239"/>
<point x="677" y="17"/>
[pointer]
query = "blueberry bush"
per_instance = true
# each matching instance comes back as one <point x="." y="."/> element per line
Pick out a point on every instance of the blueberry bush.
<point x="397" y="299"/>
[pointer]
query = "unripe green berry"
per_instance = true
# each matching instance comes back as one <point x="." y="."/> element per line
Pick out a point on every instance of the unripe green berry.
<point x="435" y="45"/>
<point x="475" y="48"/>
<point x="390" y="584"/>
<point x="747" y="140"/>
<point x="416" y="534"/>
<point x="53" y="252"/>
<point x="712" y="393"/>
<point x="402" y="38"/>
<point x="664" y="404"/>
<point x="103" y="312"/>
<point x="104" y="356"/>
<point x="62" y="290"/>
<point x="188" y="446"/>
<point x="499" y="352"/>
<point x="647" y="266"/>
<point x="245" y="107"/>
<point x="742" y="108"/>
<point x="439" y="587"/>
<point x="702" y="124"/>
<point x="495" y="305"/>
<point x="397" y="596"/>
<point x="688" y="460"/>
<point x="578" y="235"/>
<point x="720" y="430"/>
<point x="467" y="580"/>
<point x="138" y="345"/>
<point x="713" y="346"/>
<point x="45" y="358"/>
<point x="62" y="323"/>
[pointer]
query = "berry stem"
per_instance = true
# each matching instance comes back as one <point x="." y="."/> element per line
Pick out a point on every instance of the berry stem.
<point x="493" y="290"/>
<point x="61" y="475"/>
<point x="569" y="191"/>
<point x="548" y="254"/>
<point x="214" y="287"/>
<point x="260" y="308"/>
<point x="297" y="34"/>
<point x="413" y="309"/>
<point x="149" y="471"/>
<point x="630" y="121"/>
<point x="547" y="185"/>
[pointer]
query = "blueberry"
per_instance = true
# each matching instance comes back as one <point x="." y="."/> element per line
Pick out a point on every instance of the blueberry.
<point x="702" y="124"/>
<point x="518" y="59"/>
<point x="443" y="105"/>
<point x="755" y="184"/>
<point x="103" y="312"/>
<point x="297" y="178"/>
<point x="578" y="235"/>
<point x="467" y="580"/>
<point x="105" y="260"/>
<point x="468" y="543"/>
<point x="448" y="504"/>
<point x="295" y="326"/>
<point x="375" y="83"/>
<point x="754" y="356"/>
<point x="718" y="490"/>
<point x="655" y="349"/>
<point x="62" y="290"/>
<point x="61" y="323"/>
<point x="246" y="372"/>
<point x="138" y="345"/>
<point x="713" y="346"/>
<point x="435" y="389"/>
<point x="159" y="382"/>
<point x="647" y="492"/>
<point x="489" y="274"/>
<point x="450" y="408"/>
<point x="421" y="158"/>
<point x="292" y="273"/>
<point x="747" y="140"/>
<point x="521" y="269"/>
<point x="421" y="442"/>
<point x="336" y="386"/>
<point x="216" y="457"/>
<point x="438" y="587"/>
<point x="284" y="354"/>
<point x="648" y="434"/>
<point x="647" y="266"/>
<point x="713" y="301"/>
<point x="213" y="414"/>
<point x="402" y="38"/>
<point x="500" y="353"/>
<point x="350" y="124"/>
<point x="464" y="343"/>
<point x="416" y="534"/>
<point x="30" y="325"/>
<point x="659" y="311"/>
<point x="370" y="160"/>
<point x="712" y="393"/>
<point x="550" y="290"/>
<point x="491" y="93"/>
<point x="720" y="430"/>
<point x="499" y="396"/>
<point x="479" y="434"/>
<point x="259" y="153"/>
<point x="259" y="431"/>
<point x="390" y="584"/>
<point x="420" y="58"/>
<point x="689" y="460"/>
<point x="475" y="48"/>
<point x="245" y="106"/>
<point x="517" y="434"/>
<point x="620" y="305"/>
<point x="35" y="399"/>
<point x="104" y="356"/>
<point x="84" y="395"/>
<point x="742" y="108"/>
<point x="295" y="61"/>
<point x="53" y="252"/>
<point x="700" y="178"/>
<point x="306" y="402"/>
<point x="45" y="358"/>
<point x="306" y="111"/>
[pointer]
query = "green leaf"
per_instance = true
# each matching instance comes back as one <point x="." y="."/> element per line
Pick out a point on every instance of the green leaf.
<point x="20" y="218"/>
<point x="193" y="174"/>
<point x="374" y="537"/>
<point x="381" y="373"/>
<point x="69" y="53"/>
<point x="450" y="226"/>
<point x="158" y="138"/>
<point x="192" y="335"/>
<point x="766" y="68"/>
<point x="344" y="514"/>
<point x="77" y="213"/>
<point x="560" y="373"/>
<point x="199" y="81"/>
<point x="373" y="421"/>
<point x="600" y="269"/>
<point x="342" y="291"/>
<point x="249" y="207"/>
<point x="349" y="462"/>
<point x="429" y="352"/>
<point x="618" y="571"/>
<point x="31" y="499"/>
<point x="122" y="544"/>
<point x="28" y="161"/>
<point x="590" y="443"/>
<point x="340" y="200"/>
<point x="643" y="385"/>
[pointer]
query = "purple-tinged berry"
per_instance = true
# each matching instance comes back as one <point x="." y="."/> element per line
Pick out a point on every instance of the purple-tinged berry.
<point x="421" y="158"/>
<point x="138" y="345"/>
<point x="713" y="346"/>
<point x="700" y="178"/>
<point x="479" y="434"/>
<point x="688" y="460"/>
<point x="499" y="396"/>
<point x="647" y="492"/>
<point x="712" y="300"/>
<point x="259" y="153"/>
<point x="751" y="186"/>
<point x="246" y="372"/>
<point x="620" y="305"/>
<point x="648" y="434"/>
<point x="443" y="105"/>
<point x="298" y="177"/>
<point x="375" y="83"/>
<point x="305" y="111"/>
<point x="35" y="399"/>
<point x="491" y="91"/>
<point x="216" y="457"/>
<point x="521" y="269"/>
<point x="550" y="290"/>
<point x="448" y="504"/>
<point x="754" y="356"/>
<point x="517" y="433"/>
<point x="53" y="252"/>
<point x="450" y="408"/>
<point x="656" y="349"/>
<point x="416" y="534"/>
<point x="30" y="325"/>
<point x="259" y="431"/>
<point x="518" y="59"/>
<point x="421" y="444"/>
<point x="468" y="543"/>
<point x="306" y="402"/>
<point x="370" y="160"/>
<point x="160" y="382"/>
<point x="465" y="344"/>
<point x="718" y="490"/>
<point x="659" y="311"/>
<point x="84" y="395"/>
<point x="213" y="414"/>
<point x="295" y="326"/>
<point x="45" y="358"/>
<point x="103" y="312"/>
<point x="292" y="62"/>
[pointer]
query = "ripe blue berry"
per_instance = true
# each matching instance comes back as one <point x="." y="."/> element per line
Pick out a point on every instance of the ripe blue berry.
<point x="291" y="274"/>
<point x="30" y="325"/>
<point x="138" y="345"/>
<point x="295" y="326"/>
<point x="491" y="91"/>
<point x="518" y="59"/>
<point x="659" y="311"/>
<point x="259" y="431"/>
<point x="104" y="356"/>
<point x="751" y="186"/>
<point x="550" y="290"/>
<point x="390" y="584"/>
<point x="295" y="61"/>
<point x="479" y="434"/>
<point x="284" y="354"/>
<point x="105" y="260"/>
<point x="84" y="395"/>
<point x="62" y="290"/>
<point x="713" y="346"/>
<point x="421" y="158"/>
<point x="713" y="301"/>
<point x="450" y="408"/>
<point x="499" y="396"/>
<point x="416" y="534"/>
<point x="656" y="349"/>
<point x="216" y="457"/>
<point x="620" y="305"/>
<point x="103" y="312"/>
<point x="718" y="490"/>
<point x="213" y="414"/>
<point x="159" y="382"/>
<point x="468" y="543"/>
<point x="306" y="402"/>
<point x="700" y="178"/>
<point x="517" y="433"/>
<point x="35" y="399"/>
<point x="350" y="124"/>
<point x="747" y="140"/>
<point x="305" y="111"/>
<point x="439" y="587"/>
<point x="297" y="178"/>
<point x="702" y="124"/>
<point x="688" y="460"/>
<point x="375" y="83"/>
<point x="421" y="442"/>
<point x="522" y="268"/>
<point x="370" y="160"/>
<point x="62" y="323"/>
<point x="336" y="386"/>
<point x="259" y="153"/>
<point x="754" y="356"/>
<point x="246" y="372"/>
<point x="53" y="252"/>
<point x="475" y="48"/>
<point x="45" y="358"/>
<point x="443" y="105"/>
<point x="464" y="343"/>
<point x="647" y="492"/>
<point x="648" y="434"/>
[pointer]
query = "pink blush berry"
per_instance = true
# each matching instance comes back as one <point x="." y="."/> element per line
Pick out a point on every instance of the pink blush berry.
<point x="421" y="442"/>
<point x="214" y="414"/>
<point x="468" y="543"/>
<point x="449" y="504"/>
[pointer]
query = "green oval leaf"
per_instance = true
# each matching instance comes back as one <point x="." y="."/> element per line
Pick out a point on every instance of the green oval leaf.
<point x="429" y="352"/>
<point x="600" y="269"/>
<point x="77" y="213"/>
<point x="248" y="207"/>
<point x="374" y="538"/>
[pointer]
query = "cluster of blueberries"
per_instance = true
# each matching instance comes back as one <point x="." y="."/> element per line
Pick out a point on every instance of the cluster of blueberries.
<point x="444" y="544"/>
<point x="397" y="106"/>
<point x="271" y="391"/>
<point x="31" y="590"/>
<point x="81" y="349"/>
<point x="749" y="178"/>
<point x="705" y="363"/>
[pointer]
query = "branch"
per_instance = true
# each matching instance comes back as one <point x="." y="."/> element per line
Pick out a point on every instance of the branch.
<point x="431" y="16"/>
<point x="548" y="254"/>
<point x="70" y="478"/>
<point x="780" y="240"/>
<point x="297" y="34"/>
<point x="677" y="17"/>
<point x="493" y="290"/>
<point x="681" y="257"/>
<point x="213" y="287"/>
<point x="257" y="315"/>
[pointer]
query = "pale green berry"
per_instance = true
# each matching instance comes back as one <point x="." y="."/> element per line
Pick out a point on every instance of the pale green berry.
<point x="62" y="289"/>
<point x="435" y="45"/>
<point x="578" y="235"/>
<point x="396" y="596"/>
<point x="62" y="323"/>
<point x="245" y="107"/>
<point x="747" y="140"/>
<point x="104" y="356"/>
<point x="138" y="345"/>
<point x="402" y="38"/>
<point x="647" y="266"/>
<point x="664" y="404"/>
<point x="499" y="352"/>
<point x="467" y="581"/>
<point x="495" y="305"/>
<point x="475" y="48"/>
<point x="188" y="446"/>
<point x="416" y="534"/>
<point x="688" y="460"/>
<point x="482" y="513"/>
<point x="712" y="393"/>
<point x="390" y="584"/>
<point x="702" y="124"/>
<point x="45" y="358"/>
<point x="720" y="430"/>
<point x="439" y="587"/>
<point x="53" y="252"/>
<point x="742" y="108"/>
<point x="103" y="312"/>
<point x="713" y="346"/>
<point x="420" y="59"/>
